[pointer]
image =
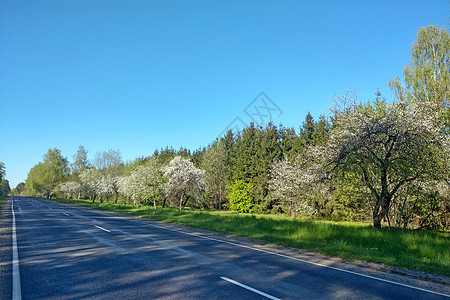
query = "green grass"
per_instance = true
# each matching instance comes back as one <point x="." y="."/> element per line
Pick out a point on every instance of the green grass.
<point x="424" y="250"/>
<point x="1" y="200"/>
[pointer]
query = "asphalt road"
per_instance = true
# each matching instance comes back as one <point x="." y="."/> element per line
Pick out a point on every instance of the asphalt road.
<point x="68" y="252"/>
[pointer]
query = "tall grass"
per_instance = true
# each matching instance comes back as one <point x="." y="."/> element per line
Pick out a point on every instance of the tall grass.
<point x="424" y="250"/>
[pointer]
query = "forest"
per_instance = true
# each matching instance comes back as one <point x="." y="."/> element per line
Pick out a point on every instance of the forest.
<point x="381" y="161"/>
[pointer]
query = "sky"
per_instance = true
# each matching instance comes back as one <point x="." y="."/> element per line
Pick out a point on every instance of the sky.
<point x="142" y="75"/>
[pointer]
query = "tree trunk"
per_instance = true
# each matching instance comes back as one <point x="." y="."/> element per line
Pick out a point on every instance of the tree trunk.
<point x="376" y="222"/>
<point x="291" y="204"/>
<point x="380" y="212"/>
<point x="154" y="203"/>
<point x="181" y="201"/>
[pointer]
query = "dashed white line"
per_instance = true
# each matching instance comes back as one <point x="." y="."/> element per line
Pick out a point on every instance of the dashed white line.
<point x="250" y="288"/>
<point x="65" y="214"/>
<point x="16" y="291"/>
<point x="297" y="259"/>
<point x="102" y="228"/>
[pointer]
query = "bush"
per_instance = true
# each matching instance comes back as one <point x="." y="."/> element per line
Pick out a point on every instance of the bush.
<point x="239" y="196"/>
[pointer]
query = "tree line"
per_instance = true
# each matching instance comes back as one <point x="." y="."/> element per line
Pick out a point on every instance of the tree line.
<point x="384" y="161"/>
<point x="4" y="183"/>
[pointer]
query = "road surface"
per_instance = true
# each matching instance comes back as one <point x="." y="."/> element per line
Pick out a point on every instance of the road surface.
<point x="68" y="252"/>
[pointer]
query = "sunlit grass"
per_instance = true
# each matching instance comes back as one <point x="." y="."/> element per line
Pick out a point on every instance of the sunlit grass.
<point x="424" y="250"/>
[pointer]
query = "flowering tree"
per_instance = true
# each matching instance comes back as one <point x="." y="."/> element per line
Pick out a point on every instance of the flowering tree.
<point x="184" y="179"/>
<point x="295" y="182"/>
<point x="105" y="186"/>
<point x="69" y="189"/>
<point x="88" y="179"/>
<point x="386" y="147"/>
<point x="144" y="183"/>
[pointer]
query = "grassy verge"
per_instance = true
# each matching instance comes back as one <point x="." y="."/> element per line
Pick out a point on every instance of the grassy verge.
<point x="1" y="200"/>
<point x="424" y="250"/>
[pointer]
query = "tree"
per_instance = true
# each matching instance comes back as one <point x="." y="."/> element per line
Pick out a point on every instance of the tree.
<point x="216" y="173"/>
<point x="88" y="179"/>
<point x="428" y="78"/>
<point x="240" y="198"/>
<point x="184" y="179"/>
<point x="294" y="181"/>
<point x="4" y="187"/>
<point x="45" y="177"/>
<point x="108" y="161"/>
<point x="69" y="189"/>
<point x="80" y="161"/>
<point x="2" y="170"/>
<point x="19" y="190"/>
<point x="145" y="183"/>
<point x="4" y="184"/>
<point x="386" y="146"/>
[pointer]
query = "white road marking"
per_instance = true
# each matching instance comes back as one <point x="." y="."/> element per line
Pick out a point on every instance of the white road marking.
<point x="16" y="291"/>
<point x="250" y="288"/>
<point x="49" y="207"/>
<point x="283" y="255"/>
<point x="65" y="214"/>
<point x="298" y="259"/>
<point x="102" y="228"/>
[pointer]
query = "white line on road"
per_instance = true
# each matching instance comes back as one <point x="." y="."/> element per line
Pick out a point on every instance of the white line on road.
<point x="286" y="256"/>
<point x="49" y="207"/>
<point x="65" y="214"/>
<point x="297" y="259"/>
<point x="250" y="288"/>
<point x="16" y="291"/>
<point x="102" y="228"/>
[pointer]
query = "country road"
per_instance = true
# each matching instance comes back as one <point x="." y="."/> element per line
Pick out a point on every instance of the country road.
<point x="68" y="252"/>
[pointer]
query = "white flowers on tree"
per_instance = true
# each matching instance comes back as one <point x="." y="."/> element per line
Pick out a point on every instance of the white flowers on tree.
<point x="295" y="181"/>
<point x="144" y="184"/>
<point x="88" y="179"/>
<point x="98" y="185"/>
<point x="184" y="180"/>
<point x="387" y="146"/>
<point x="70" y="189"/>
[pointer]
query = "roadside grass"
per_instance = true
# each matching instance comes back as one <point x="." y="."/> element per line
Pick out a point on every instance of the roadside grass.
<point x="1" y="200"/>
<point x="423" y="250"/>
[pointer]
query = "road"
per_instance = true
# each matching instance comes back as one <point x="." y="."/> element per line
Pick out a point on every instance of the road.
<point x="67" y="252"/>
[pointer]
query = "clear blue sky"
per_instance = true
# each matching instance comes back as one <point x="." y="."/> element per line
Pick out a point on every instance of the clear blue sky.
<point x="142" y="75"/>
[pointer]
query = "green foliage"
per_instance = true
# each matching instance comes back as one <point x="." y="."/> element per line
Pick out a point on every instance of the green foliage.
<point x="80" y="160"/>
<point x="2" y="170"/>
<point x="4" y="184"/>
<point x="44" y="177"/>
<point x="19" y="190"/>
<point x="239" y="197"/>
<point x="216" y="173"/>
<point x="4" y="187"/>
